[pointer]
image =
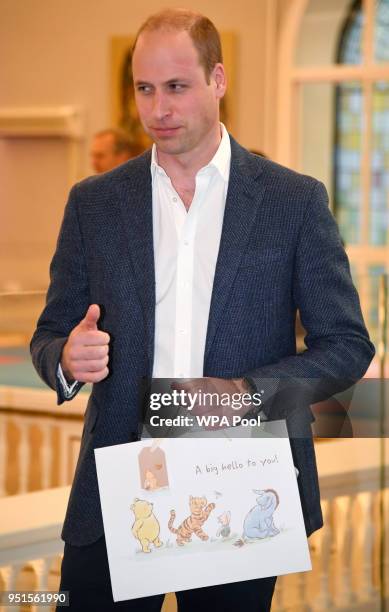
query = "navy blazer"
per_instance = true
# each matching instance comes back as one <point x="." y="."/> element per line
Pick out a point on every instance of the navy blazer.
<point x="280" y="251"/>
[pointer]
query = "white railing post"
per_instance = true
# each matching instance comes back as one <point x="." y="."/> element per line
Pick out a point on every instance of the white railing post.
<point x="341" y="550"/>
<point x="9" y="574"/>
<point x="278" y="599"/>
<point x="23" y="425"/>
<point x="366" y="546"/>
<point x="323" y="598"/>
<point x="41" y="568"/>
<point x="45" y="463"/>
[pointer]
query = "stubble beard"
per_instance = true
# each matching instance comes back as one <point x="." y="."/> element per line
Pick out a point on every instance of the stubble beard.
<point x="176" y="146"/>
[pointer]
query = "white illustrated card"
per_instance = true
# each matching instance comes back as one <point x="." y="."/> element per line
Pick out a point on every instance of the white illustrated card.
<point x="186" y="513"/>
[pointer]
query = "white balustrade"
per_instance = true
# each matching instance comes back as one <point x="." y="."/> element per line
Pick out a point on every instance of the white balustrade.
<point x="345" y="553"/>
<point x="23" y="425"/>
<point x="345" y="556"/>
<point x="33" y="537"/>
<point x="30" y="528"/>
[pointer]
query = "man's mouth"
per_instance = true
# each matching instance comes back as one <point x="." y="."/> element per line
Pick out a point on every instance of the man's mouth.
<point x="165" y="131"/>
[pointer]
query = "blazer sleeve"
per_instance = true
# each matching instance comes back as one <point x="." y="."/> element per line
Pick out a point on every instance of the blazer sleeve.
<point x="338" y="347"/>
<point x="67" y="299"/>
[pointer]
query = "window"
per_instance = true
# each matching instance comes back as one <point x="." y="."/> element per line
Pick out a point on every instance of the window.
<point x="349" y="134"/>
<point x="335" y="89"/>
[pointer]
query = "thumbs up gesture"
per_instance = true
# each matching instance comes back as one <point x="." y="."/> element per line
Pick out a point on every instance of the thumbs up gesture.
<point x="85" y="354"/>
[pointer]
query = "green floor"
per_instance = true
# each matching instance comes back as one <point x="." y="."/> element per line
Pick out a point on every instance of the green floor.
<point x="16" y="369"/>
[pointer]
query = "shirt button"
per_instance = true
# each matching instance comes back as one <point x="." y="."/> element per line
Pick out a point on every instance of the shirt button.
<point x="186" y="242"/>
<point x="174" y="199"/>
<point x="182" y="331"/>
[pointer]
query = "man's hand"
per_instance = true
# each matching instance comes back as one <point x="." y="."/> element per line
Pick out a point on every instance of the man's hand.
<point x="85" y="354"/>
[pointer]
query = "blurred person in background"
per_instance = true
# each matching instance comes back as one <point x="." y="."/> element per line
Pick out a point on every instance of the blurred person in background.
<point x="110" y="148"/>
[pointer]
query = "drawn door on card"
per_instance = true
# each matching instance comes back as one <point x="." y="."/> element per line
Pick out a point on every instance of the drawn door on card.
<point x="152" y="468"/>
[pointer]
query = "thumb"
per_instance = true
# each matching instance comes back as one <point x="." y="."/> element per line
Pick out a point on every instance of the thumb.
<point x="89" y="322"/>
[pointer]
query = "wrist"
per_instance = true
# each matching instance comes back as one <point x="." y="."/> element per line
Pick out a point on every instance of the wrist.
<point x="68" y="376"/>
<point x="65" y="367"/>
<point x="242" y="385"/>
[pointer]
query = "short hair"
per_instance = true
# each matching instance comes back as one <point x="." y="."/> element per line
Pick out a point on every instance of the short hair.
<point x="201" y="30"/>
<point x="121" y="141"/>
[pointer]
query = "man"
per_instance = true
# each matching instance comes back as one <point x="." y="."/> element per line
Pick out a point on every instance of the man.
<point x="190" y="262"/>
<point x="110" y="148"/>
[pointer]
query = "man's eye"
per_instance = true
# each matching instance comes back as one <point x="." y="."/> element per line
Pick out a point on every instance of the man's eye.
<point x="177" y="86"/>
<point x="144" y="89"/>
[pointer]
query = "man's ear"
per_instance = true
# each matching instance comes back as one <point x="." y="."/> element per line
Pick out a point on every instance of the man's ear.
<point x="218" y="77"/>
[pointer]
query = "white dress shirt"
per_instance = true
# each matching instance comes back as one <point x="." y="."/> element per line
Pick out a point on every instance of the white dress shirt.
<point x="186" y="246"/>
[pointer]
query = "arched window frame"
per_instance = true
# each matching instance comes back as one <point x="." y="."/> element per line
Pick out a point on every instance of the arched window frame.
<point x="291" y="80"/>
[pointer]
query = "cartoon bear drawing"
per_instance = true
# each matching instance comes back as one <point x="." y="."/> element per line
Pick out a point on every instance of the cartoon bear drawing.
<point x="259" y="521"/>
<point x="146" y="526"/>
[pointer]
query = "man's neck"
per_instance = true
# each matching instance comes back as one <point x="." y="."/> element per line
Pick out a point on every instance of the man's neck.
<point x="182" y="168"/>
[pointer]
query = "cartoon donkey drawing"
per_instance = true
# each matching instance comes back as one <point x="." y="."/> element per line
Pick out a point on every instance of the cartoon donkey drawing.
<point x="259" y="522"/>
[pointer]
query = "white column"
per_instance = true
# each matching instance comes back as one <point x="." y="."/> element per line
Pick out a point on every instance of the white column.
<point x="46" y="454"/>
<point x="9" y="575"/>
<point x="302" y="590"/>
<point x="41" y="568"/>
<point x="366" y="546"/>
<point x="323" y="598"/>
<point x="279" y="594"/>
<point x="342" y="529"/>
<point x="23" y="425"/>
<point x="63" y="456"/>
<point x="70" y="439"/>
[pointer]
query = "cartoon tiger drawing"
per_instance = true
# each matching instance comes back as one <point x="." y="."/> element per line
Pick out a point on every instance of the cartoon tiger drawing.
<point x="199" y="513"/>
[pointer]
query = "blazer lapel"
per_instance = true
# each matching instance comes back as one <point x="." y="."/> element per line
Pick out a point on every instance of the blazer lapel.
<point x="243" y="197"/>
<point x="135" y="202"/>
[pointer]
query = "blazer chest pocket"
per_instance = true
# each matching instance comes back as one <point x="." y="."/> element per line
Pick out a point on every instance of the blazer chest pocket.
<point x="261" y="258"/>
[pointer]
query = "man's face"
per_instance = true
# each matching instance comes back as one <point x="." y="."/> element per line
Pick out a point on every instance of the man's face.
<point x="103" y="156"/>
<point x="178" y="108"/>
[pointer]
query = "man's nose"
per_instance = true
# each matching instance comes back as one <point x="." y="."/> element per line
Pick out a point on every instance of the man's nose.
<point x="161" y="105"/>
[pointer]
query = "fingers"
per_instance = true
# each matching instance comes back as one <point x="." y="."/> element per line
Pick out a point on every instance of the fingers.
<point x="189" y="385"/>
<point x="89" y="338"/>
<point x="85" y="355"/>
<point x="89" y="322"/>
<point x="85" y="370"/>
<point x="90" y="365"/>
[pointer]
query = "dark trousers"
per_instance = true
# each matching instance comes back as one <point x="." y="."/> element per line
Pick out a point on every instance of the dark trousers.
<point x="85" y="575"/>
